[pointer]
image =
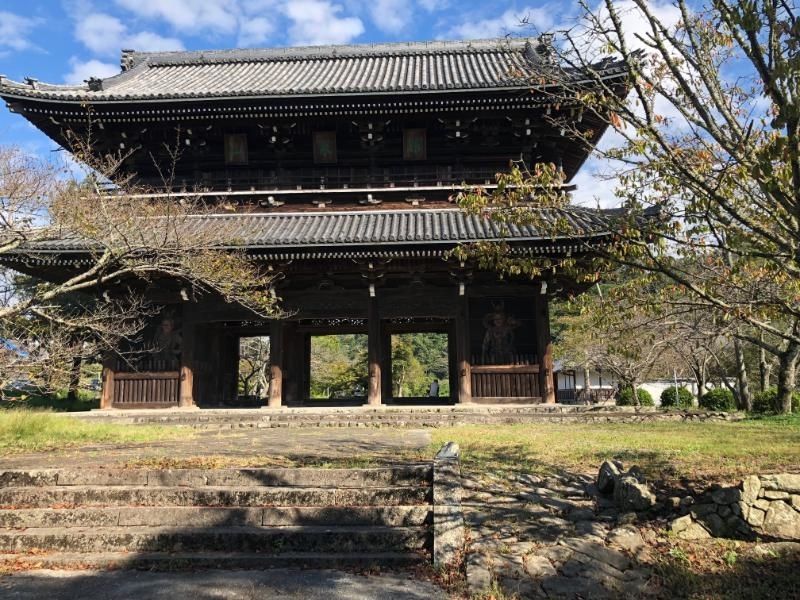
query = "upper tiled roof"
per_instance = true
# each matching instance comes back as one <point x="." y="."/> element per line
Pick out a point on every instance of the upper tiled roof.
<point x="375" y="229"/>
<point x="310" y="71"/>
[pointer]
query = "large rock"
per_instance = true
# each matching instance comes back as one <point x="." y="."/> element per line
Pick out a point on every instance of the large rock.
<point x="608" y="475"/>
<point x="786" y="482"/>
<point x="756" y="517"/>
<point x="681" y="524"/>
<point x="782" y="521"/>
<point x="726" y="495"/>
<point x="750" y="488"/>
<point x="631" y="494"/>
<point x="695" y="531"/>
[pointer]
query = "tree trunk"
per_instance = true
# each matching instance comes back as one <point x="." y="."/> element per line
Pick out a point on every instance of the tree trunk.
<point x="764" y="367"/>
<point x="787" y="368"/>
<point x="699" y="379"/>
<point x="745" y="400"/>
<point x="74" y="378"/>
<point x="635" y="389"/>
<point x="587" y="385"/>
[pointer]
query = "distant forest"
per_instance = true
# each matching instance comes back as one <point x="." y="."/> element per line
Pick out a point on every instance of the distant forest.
<point x="339" y="365"/>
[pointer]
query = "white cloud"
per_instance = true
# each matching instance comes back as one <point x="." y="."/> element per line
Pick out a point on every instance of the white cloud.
<point x="104" y="34"/>
<point x="511" y="21"/>
<point x="635" y="24"/>
<point x="15" y="29"/>
<point x="255" y="31"/>
<point x="317" y="22"/>
<point x="391" y="16"/>
<point x="100" y="33"/>
<point x="190" y="16"/>
<point x="433" y="5"/>
<point x="83" y="70"/>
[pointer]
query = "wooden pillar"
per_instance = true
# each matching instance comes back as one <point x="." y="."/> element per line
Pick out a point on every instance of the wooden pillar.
<point x="463" y="366"/>
<point x="373" y="349"/>
<point x="386" y="372"/>
<point x="544" y="349"/>
<point x="275" y="364"/>
<point x="107" y="392"/>
<point x="292" y="364"/>
<point x="186" y="394"/>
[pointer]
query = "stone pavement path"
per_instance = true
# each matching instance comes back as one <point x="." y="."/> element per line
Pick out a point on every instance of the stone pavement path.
<point x="214" y="585"/>
<point x="245" y="444"/>
<point x="551" y="537"/>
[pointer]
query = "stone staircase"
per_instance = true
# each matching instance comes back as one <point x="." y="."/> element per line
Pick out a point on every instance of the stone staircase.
<point x="391" y="416"/>
<point x="216" y="518"/>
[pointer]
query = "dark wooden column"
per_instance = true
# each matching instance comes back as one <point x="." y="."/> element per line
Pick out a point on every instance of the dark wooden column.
<point x="292" y="364"/>
<point x="275" y="364"/>
<point x="386" y="372"/>
<point x="544" y="349"/>
<point x="463" y="366"/>
<point x="373" y="349"/>
<point x="186" y="394"/>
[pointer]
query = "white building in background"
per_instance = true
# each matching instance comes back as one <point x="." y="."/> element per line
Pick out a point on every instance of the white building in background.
<point x="569" y="385"/>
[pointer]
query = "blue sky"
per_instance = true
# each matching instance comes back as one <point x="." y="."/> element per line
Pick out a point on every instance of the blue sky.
<point x="66" y="41"/>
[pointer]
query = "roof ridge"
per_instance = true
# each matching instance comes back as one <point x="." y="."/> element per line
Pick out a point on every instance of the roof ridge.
<point x="132" y="58"/>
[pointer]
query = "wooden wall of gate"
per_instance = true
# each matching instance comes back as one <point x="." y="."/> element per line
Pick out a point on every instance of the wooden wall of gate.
<point x="156" y="387"/>
<point x="506" y="383"/>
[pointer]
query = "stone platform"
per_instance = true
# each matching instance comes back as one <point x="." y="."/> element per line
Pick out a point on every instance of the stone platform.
<point x="394" y="416"/>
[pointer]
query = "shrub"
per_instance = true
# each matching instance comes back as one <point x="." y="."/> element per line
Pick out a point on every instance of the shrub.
<point x="718" y="399"/>
<point x="767" y="401"/>
<point x="683" y="399"/>
<point x="625" y="397"/>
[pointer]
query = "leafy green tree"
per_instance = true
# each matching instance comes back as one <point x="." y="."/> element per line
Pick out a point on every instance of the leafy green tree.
<point x="706" y="130"/>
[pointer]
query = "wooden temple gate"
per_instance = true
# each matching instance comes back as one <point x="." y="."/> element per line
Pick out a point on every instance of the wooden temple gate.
<point x="205" y="374"/>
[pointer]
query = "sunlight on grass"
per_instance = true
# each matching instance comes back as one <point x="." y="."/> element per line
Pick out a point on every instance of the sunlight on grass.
<point x="662" y="449"/>
<point x="27" y="431"/>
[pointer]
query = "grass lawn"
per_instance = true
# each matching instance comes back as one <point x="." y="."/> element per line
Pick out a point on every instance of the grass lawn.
<point x="31" y="431"/>
<point x="664" y="450"/>
<point x="57" y="401"/>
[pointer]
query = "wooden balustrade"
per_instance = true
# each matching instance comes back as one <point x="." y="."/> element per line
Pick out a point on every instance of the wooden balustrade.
<point x="517" y="382"/>
<point x="145" y="389"/>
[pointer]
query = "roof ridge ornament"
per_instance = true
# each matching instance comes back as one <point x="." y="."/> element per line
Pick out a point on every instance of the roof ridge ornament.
<point x="95" y="84"/>
<point x="126" y="59"/>
<point x="544" y="53"/>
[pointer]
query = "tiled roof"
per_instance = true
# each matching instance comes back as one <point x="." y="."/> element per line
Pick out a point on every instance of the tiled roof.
<point x="386" y="229"/>
<point x="311" y="71"/>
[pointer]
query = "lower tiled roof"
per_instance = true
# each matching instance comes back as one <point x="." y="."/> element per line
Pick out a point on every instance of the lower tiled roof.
<point x="376" y="228"/>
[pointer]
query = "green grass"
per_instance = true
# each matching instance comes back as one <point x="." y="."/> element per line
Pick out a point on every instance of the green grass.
<point x="722" y="450"/>
<point x="32" y="431"/>
<point x="57" y="401"/>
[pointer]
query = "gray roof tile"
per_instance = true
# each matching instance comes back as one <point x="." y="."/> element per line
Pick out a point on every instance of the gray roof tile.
<point x="317" y="70"/>
<point x="384" y="228"/>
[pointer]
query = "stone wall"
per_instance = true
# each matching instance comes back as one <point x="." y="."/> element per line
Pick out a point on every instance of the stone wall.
<point x="764" y="506"/>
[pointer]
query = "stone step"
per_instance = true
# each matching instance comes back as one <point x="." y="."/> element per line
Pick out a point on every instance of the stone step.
<point x="405" y="475"/>
<point x="157" y="516"/>
<point x="84" y="496"/>
<point x="248" y="539"/>
<point x="177" y="561"/>
<point x="387" y="416"/>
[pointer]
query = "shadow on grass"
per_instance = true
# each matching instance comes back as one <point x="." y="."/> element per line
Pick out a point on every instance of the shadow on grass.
<point x="724" y="574"/>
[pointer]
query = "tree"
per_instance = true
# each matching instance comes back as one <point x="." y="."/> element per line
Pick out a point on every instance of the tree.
<point x="254" y="365"/>
<point x="709" y="134"/>
<point x="131" y="241"/>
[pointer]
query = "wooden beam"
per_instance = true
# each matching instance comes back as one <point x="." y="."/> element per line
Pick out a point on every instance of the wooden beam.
<point x="544" y="348"/>
<point x="463" y="366"/>
<point x="275" y="364"/>
<point x="374" y="350"/>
